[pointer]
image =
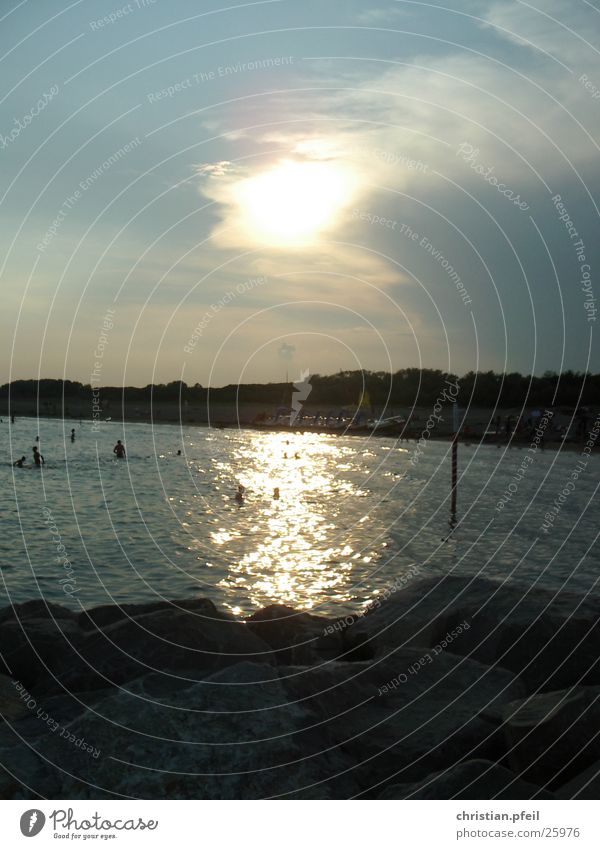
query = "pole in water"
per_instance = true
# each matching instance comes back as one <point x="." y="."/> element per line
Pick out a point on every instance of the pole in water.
<point x="453" y="493"/>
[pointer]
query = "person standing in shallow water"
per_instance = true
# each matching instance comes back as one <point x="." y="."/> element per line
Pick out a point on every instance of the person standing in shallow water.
<point x="72" y="434"/>
<point x="37" y="457"/>
<point x="119" y="450"/>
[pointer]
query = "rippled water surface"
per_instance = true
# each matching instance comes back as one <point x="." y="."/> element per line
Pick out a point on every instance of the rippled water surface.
<point x="354" y="517"/>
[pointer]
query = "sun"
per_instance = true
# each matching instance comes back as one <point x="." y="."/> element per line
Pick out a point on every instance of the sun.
<point x="292" y="203"/>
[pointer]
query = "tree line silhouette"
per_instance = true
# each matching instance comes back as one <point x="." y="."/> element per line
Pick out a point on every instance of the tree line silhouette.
<point x="377" y="389"/>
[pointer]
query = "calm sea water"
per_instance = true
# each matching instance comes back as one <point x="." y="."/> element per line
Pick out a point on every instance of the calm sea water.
<point x="354" y="517"/>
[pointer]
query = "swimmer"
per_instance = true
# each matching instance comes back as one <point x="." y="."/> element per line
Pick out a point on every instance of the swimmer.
<point x="276" y="493"/>
<point x="119" y="450"/>
<point x="37" y="457"/>
<point x="19" y="463"/>
<point x="239" y="496"/>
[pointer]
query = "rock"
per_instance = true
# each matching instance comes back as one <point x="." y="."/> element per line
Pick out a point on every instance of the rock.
<point x="226" y="738"/>
<point x="476" y="779"/>
<point x="586" y="785"/>
<point x="183" y="644"/>
<point x="298" y="637"/>
<point x="398" y="724"/>
<point x="33" y="648"/>
<point x="36" y="609"/>
<point x="552" y="737"/>
<point x="12" y="706"/>
<point x="551" y="641"/>
<point x="97" y="618"/>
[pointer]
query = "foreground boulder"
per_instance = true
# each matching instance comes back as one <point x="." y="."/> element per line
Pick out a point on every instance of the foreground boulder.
<point x="185" y="644"/>
<point x="552" y="737"/>
<point x="53" y="650"/>
<point x="551" y="641"/>
<point x="33" y="637"/>
<point x="12" y="706"/>
<point x="296" y="636"/>
<point x="586" y="785"/>
<point x="234" y="736"/>
<point x="403" y="717"/>
<point x="476" y="779"/>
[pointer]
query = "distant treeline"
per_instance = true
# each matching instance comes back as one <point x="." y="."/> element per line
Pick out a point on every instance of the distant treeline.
<point x="405" y="387"/>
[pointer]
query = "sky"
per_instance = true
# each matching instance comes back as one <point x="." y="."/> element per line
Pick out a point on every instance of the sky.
<point x="233" y="194"/>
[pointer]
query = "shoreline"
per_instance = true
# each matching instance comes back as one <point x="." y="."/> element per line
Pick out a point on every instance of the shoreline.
<point x="410" y="435"/>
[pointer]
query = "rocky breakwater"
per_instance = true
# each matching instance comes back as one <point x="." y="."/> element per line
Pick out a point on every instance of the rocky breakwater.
<point x="452" y="688"/>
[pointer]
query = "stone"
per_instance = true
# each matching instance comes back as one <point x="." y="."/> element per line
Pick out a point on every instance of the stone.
<point x="298" y="637"/>
<point x="234" y="736"/>
<point x="586" y="785"/>
<point x="97" y="618"/>
<point x="403" y="716"/>
<point x="551" y="640"/>
<point x="185" y="645"/>
<point x="36" y="609"/>
<point x="475" y="779"/>
<point x="33" y="648"/>
<point x="552" y="737"/>
<point x="12" y="706"/>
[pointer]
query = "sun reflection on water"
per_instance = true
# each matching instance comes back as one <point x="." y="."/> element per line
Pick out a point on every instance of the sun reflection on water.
<point x="289" y="546"/>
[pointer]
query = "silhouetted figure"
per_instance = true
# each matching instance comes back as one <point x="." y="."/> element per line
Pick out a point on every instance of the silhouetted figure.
<point x="19" y="463"/>
<point x="72" y="434"/>
<point x="239" y="496"/>
<point x="37" y="439"/>
<point x="119" y="450"/>
<point x="179" y="453"/>
<point x="12" y="419"/>
<point x="276" y="493"/>
<point x="37" y="457"/>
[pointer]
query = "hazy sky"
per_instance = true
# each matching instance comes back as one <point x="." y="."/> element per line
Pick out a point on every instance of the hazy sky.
<point x="280" y="186"/>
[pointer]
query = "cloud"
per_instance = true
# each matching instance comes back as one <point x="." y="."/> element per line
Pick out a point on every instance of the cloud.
<point x="214" y="169"/>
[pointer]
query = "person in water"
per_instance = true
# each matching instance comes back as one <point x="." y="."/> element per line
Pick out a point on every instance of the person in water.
<point x="19" y="463"/>
<point x="276" y="493"/>
<point x="119" y="450"/>
<point x="179" y="453"/>
<point x="239" y="496"/>
<point x="72" y="434"/>
<point x="37" y="457"/>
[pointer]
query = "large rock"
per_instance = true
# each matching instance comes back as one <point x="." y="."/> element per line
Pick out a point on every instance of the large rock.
<point x="98" y="618"/>
<point x="12" y="706"/>
<point x="551" y="641"/>
<point x="36" y="609"/>
<point x="226" y="738"/>
<point x="402" y="717"/>
<point x="185" y="644"/>
<point x="296" y="636"/>
<point x="552" y="737"/>
<point x="32" y="649"/>
<point x="476" y="779"/>
<point x="586" y="785"/>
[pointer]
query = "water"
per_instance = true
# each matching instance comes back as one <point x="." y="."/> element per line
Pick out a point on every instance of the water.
<point x="354" y="519"/>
